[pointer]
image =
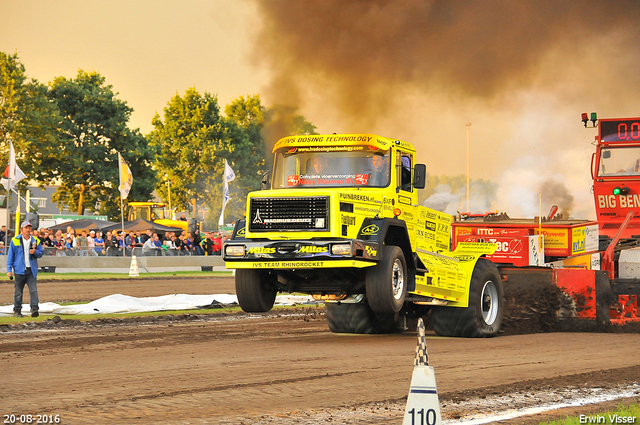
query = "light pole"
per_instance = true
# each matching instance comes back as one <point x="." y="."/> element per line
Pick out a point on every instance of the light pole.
<point x="468" y="125"/>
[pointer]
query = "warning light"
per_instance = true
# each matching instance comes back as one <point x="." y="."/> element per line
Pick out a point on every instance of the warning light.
<point x="585" y="119"/>
<point x="396" y="212"/>
<point x="621" y="190"/>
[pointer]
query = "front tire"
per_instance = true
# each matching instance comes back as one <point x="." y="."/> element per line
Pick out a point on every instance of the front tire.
<point x="253" y="291"/>
<point x="386" y="283"/>
<point x="483" y="317"/>
<point x="359" y="319"/>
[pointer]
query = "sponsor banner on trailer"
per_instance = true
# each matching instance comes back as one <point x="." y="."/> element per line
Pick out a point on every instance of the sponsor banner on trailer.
<point x="516" y="250"/>
<point x="584" y="239"/>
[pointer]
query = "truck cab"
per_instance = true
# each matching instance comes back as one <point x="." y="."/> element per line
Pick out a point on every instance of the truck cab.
<point x="357" y="176"/>
<point x="615" y="169"/>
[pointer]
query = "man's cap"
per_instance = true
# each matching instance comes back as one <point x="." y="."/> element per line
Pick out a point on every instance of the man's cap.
<point x="25" y="224"/>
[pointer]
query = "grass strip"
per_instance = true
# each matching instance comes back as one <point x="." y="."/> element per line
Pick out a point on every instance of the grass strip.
<point x="622" y="415"/>
<point x="107" y="275"/>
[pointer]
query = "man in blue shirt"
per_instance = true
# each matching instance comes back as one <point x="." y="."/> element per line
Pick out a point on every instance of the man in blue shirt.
<point x="22" y="260"/>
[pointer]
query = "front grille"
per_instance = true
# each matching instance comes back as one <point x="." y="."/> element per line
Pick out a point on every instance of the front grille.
<point x="308" y="213"/>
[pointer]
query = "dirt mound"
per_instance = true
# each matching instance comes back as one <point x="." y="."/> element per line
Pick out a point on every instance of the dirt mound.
<point x="549" y="309"/>
<point x="533" y="310"/>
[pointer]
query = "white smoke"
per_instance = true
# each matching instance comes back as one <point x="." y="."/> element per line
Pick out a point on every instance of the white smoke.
<point x="445" y="200"/>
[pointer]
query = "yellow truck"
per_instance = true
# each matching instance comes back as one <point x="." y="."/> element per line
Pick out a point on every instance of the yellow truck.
<point x="159" y="212"/>
<point x="338" y="218"/>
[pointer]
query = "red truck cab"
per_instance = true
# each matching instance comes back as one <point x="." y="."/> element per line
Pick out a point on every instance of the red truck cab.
<point x="615" y="169"/>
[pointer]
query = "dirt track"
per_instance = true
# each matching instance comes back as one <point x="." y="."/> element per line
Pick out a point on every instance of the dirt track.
<point x="271" y="369"/>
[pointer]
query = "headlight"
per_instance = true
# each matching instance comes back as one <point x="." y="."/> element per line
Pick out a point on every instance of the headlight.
<point x="341" y="249"/>
<point x="234" y="250"/>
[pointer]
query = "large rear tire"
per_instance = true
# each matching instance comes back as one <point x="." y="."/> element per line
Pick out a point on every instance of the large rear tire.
<point x="359" y="319"/>
<point x="386" y="283"/>
<point x="254" y="294"/>
<point x="483" y="317"/>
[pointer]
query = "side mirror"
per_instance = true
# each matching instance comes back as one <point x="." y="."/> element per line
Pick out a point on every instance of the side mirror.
<point x="419" y="176"/>
<point x="265" y="180"/>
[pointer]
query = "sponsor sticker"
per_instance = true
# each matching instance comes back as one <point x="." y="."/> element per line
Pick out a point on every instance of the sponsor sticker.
<point x="371" y="229"/>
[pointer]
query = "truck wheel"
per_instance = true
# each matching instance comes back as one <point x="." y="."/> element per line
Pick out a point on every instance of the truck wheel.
<point x="483" y="316"/>
<point x="358" y="319"/>
<point x="386" y="283"/>
<point x="251" y="289"/>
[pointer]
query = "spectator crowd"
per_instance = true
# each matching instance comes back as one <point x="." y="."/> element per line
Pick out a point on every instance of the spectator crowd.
<point x="118" y="243"/>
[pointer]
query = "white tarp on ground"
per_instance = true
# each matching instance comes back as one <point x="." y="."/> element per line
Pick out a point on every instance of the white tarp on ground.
<point x="118" y="303"/>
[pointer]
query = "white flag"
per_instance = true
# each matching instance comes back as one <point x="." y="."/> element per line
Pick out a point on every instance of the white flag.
<point x="126" y="178"/>
<point x="12" y="174"/>
<point x="229" y="176"/>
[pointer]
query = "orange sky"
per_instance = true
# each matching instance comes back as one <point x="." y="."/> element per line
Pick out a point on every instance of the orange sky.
<point x="520" y="72"/>
<point x="146" y="49"/>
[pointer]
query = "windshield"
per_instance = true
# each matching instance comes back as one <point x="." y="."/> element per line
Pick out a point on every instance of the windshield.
<point x="622" y="161"/>
<point x="147" y="212"/>
<point x="331" y="166"/>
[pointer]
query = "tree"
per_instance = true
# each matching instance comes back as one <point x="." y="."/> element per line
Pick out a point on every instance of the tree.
<point x="27" y="118"/>
<point x="12" y="79"/>
<point x="93" y="130"/>
<point x="193" y="140"/>
<point x="263" y="126"/>
<point x="247" y="113"/>
<point x="249" y="116"/>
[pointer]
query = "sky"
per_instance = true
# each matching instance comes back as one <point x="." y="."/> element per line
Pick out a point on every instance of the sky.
<point x="147" y="50"/>
<point x="520" y="72"/>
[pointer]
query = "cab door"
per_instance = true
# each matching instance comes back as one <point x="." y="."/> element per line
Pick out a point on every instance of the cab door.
<point x="406" y="195"/>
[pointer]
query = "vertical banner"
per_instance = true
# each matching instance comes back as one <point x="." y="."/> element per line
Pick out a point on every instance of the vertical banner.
<point x="12" y="174"/>
<point x="126" y="178"/>
<point x="229" y="176"/>
<point x="126" y="181"/>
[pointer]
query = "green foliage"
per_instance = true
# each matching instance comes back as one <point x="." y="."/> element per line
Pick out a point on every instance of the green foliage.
<point x="193" y="140"/>
<point x="250" y="164"/>
<point x="27" y="118"/>
<point x="246" y="112"/>
<point x="626" y="412"/>
<point x="92" y="132"/>
<point x="12" y="79"/>
<point x="68" y="134"/>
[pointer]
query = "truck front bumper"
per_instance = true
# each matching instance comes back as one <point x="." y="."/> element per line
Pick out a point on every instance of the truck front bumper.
<point x="300" y="254"/>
